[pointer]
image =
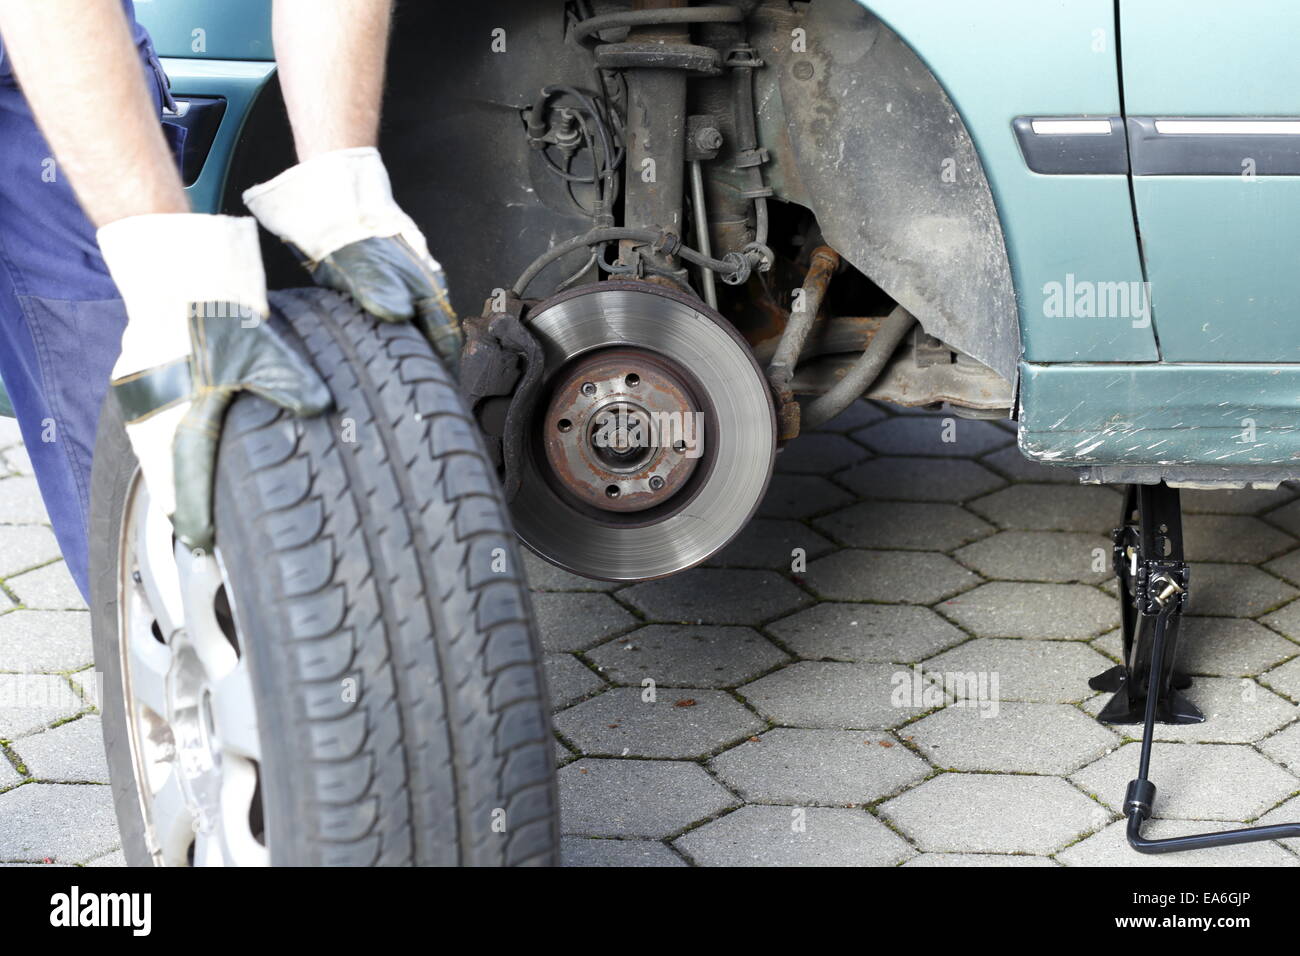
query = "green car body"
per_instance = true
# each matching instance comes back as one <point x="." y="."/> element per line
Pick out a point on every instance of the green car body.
<point x="1146" y="326"/>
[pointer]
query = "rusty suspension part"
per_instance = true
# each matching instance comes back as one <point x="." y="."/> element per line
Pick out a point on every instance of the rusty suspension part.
<point x="780" y="371"/>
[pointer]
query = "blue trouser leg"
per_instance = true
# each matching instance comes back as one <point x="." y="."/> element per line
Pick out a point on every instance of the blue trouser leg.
<point x="61" y="322"/>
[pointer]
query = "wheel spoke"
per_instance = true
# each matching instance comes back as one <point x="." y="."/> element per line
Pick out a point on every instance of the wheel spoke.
<point x="157" y="565"/>
<point x="238" y="787"/>
<point x="173" y="822"/>
<point x="200" y="581"/>
<point x="148" y="662"/>
<point x="235" y="714"/>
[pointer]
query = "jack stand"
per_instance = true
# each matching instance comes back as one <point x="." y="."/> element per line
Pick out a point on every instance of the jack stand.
<point x="1154" y="579"/>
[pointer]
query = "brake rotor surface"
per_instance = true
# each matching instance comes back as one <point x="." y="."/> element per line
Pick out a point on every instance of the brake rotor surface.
<point x="654" y="439"/>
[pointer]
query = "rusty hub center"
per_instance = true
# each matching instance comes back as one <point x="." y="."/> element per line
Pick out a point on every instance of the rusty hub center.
<point x="623" y="432"/>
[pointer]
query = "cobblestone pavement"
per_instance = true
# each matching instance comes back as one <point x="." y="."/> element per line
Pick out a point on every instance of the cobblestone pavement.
<point x="789" y="718"/>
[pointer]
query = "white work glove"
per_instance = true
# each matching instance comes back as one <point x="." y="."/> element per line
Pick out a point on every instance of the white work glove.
<point x="337" y="211"/>
<point x="198" y="331"/>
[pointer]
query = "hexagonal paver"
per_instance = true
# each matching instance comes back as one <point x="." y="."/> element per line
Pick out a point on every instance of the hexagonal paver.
<point x="858" y="415"/>
<point x="1235" y="590"/>
<point x="1011" y="463"/>
<point x="1286" y="567"/>
<point x="23" y="547"/>
<point x="825" y="695"/>
<point x="1286" y="517"/>
<point x="1194" y="781"/>
<point x="62" y="822"/>
<point x="1288" y="812"/>
<point x="1049" y="611"/>
<point x="574" y="622"/>
<point x="23" y="504"/>
<point x="948" y="436"/>
<point x="569" y="679"/>
<point x="1011" y="736"/>
<point x="716" y="596"/>
<point x="920" y="479"/>
<point x="544" y="576"/>
<point x="913" y="577"/>
<point x="584" y="851"/>
<point x="50" y="641"/>
<point x="992" y="813"/>
<point x="70" y="753"/>
<point x="903" y="524"/>
<point x="29" y="702"/>
<point x="17" y="460"/>
<point x="1234" y="501"/>
<point x="1285" y="679"/>
<point x="818" y="767"/>
<point x="1284" y="748"/>
<point x="647" y="798"/>
<point x="801" y="496"/>
<point x="979" y="859"/>
<point x="772" y="543"/>
<point x="819" y="453"/>
<point x="680" y="723"/>
<point x="794" y="836"/>
<point x="50" y="588"/>
<point x="1110" y="848"/>
<point x="684" y="655"/>
<point x="9" y="774"/>
<point x="1050" y="672"/>
<point x="866" y="632"/>
<point x="1237" y="711"/>
<point x="1229" y="647"/>
<point x="1233" y="539"/>
<point x="1059" y="557"/>
<point x="1089" y="508"/>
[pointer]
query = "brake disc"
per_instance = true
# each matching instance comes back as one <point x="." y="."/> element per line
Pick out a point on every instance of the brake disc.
<point x="653" y="440"/>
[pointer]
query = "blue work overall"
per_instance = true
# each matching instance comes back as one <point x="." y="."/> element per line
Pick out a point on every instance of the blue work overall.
<point x="61" y="319"/>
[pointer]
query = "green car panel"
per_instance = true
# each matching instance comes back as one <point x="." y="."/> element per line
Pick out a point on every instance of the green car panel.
<point x="208" y="29"/>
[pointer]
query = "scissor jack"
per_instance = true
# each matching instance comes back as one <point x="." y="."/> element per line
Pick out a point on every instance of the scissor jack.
<point x="1147" y="687"/>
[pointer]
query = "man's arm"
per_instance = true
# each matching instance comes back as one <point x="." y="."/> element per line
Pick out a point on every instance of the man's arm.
<point x="81" y="74"/>
<point x="332" y="57"/>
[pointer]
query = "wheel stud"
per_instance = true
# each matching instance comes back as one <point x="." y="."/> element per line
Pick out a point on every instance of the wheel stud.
<point x="589" y="389"/>
<point x="656" y="482"/>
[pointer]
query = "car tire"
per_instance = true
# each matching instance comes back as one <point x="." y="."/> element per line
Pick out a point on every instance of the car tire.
<point x="368" y="584"/>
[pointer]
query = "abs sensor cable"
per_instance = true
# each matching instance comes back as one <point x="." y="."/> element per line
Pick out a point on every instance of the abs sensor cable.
<point x="1141" y="794"/>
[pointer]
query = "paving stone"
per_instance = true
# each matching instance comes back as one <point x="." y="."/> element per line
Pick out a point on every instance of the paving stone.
<point x="62" y="822"/>
<point x="544" y="576"/>
<point x="794" y="836"/>
<point x="23" y="504"/>
<point x="948" y="436"/>
<point x="992" y="813"/>
<point x="1287" y="517"/>
<point x="1237" y="710"/>
<point x="679" y="723"/>
<point x="1232" y="539"/>
<point x="90" y="684"/>
<point x="45" y="641"/>
<point x="818" y="767"/>
<point x="687" y="655"/>
<point x="904" y="525"/>
<point x="801" y="496"/>
<point x="1049" y="611"/>
<point x="1288" y="812"/>
<point x="716" y="596"/>
<point x="9" y="774"/>
<point x="1088" y="508"/>
<point x="816" y="694"/>
<point x="69" y="753"/>
<point x="1050" y="672"/>
<point x="1233" y="501"/>
<point x="1285" y="679"/>
<point x="1229" y="647"/>
<point x="18" y="461"/>
<point x="1196" y="781"/>
<point x="1284" y="748"/>
<point x="23" y="547"/>
<point x="866" y="632"/>
<point x="50" y="588"/>
<point x="28" y="702"/>
<point x="858" y="415"/>
<point x="584" y="851"/>
<point x="1110" y="848"/>
<point x="116" y="858"/>
<point x="563" y="754"/>
<point x="569" y="680"/>
<point x="1011" y="737"/>
<point x="630" y="798"/>
<point x="10" y="434"/>
<point x="1286" y="567"/>
<point x="1011" y="463"/>
<point x="913" y="577"/>
<point x="1060" y="557"/>
<point x="920" y="479"/>
<point x="819" y="453"/>
<point x="771" y="543"/>
<point x="1235" y="590"/>
<point x="574" y="622"/>
<point x="978" y="859"/>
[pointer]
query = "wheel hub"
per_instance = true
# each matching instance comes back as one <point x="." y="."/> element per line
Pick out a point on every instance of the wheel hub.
<point x="654" y="441"/>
